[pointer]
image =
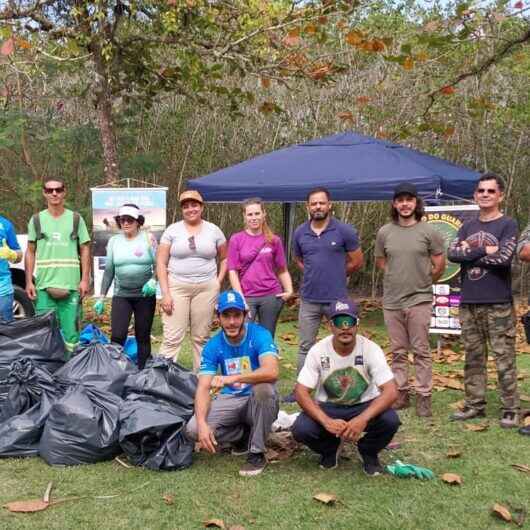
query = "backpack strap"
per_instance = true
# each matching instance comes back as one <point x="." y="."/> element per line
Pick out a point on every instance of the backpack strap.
<point x="74" y="236"/>
<point x="35" y="219"/>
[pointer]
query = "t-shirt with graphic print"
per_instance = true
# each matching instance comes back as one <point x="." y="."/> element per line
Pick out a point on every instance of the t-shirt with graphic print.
<point x="7" y="233"/>
<point x="486" y="278"/>
<point x="220" y="355"/>
<point x="57" y="255"/>
<point x="345" y="379"/>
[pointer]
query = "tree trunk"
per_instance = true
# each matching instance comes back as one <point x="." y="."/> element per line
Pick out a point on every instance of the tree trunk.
<point x="109" y="142"/>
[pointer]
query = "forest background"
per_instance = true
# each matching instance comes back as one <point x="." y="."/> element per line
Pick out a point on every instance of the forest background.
<point x="165" y="91"/>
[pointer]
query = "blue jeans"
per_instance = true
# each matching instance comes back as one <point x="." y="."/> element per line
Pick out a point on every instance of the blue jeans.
<point x="6" y="307"/>
<point x="266" y="310"/>
<point x="379" y="431"/>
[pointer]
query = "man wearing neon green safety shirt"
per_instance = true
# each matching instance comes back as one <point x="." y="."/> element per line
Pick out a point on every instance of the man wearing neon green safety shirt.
<point x="59" y="250"/>
<point x="9" y="253"/>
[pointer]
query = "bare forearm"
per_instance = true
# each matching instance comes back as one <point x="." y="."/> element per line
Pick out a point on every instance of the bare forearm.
<point x="233" y="276"/>
<point x="29" y="265"/>
<point x="85" y="262"/>
<point x="222" y="271"/>
<point x="380" y="404"/>
<point x="524" y="253"/>
<point x="309" y="406"/>
<point x="286" y="281"/>
<point x="161" y="272"/>
<point x="202" y="403"/>
<point x="261" y="375"/>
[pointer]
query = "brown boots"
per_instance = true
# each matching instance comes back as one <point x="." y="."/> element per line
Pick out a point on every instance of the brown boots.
<point x="423" y="404"/>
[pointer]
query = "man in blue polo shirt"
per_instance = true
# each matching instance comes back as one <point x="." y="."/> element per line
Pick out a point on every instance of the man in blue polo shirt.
<point x="9" y="253"/>
<point x="241" y="362"/>
<point x="327" y="252"/>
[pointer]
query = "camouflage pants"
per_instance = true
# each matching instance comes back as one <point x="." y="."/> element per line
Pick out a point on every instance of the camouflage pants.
<point x="492" y="324"/>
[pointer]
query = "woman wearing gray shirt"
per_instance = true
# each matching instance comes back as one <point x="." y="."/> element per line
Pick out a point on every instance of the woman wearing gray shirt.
<point x="191" y="266"/>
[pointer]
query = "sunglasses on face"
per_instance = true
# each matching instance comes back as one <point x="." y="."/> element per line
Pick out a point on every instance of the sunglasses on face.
<point x="49" y="191"/>
<point x="191" y="243"/>
<point x="489" y="191"/>
<point x="126" y="219"/>
<point x="344" y="321"/>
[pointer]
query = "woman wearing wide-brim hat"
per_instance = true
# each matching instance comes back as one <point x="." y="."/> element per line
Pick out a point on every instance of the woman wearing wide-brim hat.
<point x="191" y="266"/>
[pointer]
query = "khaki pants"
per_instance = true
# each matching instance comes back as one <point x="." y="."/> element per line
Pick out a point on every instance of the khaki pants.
<point x="193" y="306"/>
<point x="408" y="330"/>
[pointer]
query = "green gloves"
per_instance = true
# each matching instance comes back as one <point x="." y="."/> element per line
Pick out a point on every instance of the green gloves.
<point x="7" y="253"/>
<point x="149" y="288"/>
<point x="402" y="470"/>
<point x="99" y="307"/>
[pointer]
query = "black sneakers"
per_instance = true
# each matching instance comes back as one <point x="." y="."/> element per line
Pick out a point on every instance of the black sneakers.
<point x="330" y="460"/>
<point x="240" y="448"/>
<point x="255" y="464"/>
<point x="371" y="465"/>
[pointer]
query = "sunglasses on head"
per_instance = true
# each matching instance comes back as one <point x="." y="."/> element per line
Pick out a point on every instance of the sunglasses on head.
<point x="191" y="243"/>
<point x="126" y="219"/>
<point x="49" y="191"/>
<point x="341" y="321"/>
<point x="489" y="191"/>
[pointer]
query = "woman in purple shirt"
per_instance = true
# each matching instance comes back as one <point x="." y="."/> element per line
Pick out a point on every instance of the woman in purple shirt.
<point x="257" y="266"/>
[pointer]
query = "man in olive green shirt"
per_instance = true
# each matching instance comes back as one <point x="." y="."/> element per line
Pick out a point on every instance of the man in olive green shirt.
<point x="59" y="247"/>
<point x="412" y="255"/>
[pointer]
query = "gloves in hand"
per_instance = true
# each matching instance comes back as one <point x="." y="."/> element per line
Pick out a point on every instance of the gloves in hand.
<point x="7" y="253"/>
<point x="99" y="307"/>
<point x="402" y="470"/>
<point x="149" y="288"/>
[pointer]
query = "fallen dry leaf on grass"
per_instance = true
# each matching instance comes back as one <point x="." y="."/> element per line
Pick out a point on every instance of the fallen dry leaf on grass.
<point x="452" y="478"/>
<point x="526" y="421"/>
<point x="521" y="467"/>
<point x="237" y="527"/>
<point x="501" y="512"/>
<point x="524" y="397"/>
<point x="168" y="499"/>
<point x="290" y="338"/>
<point x="454" y="453"/>
<point x="477" y="427"/>
<point x="325" y="498"/>
<point x="33" y="505"/>
<point x="214" y="523"/>
<point x="457" y="405"/>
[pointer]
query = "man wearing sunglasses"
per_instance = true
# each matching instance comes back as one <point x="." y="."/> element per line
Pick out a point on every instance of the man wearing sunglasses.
<point x="354" y="390"/>
<point x="485" y="247"/>
<point x="59" y="249"/>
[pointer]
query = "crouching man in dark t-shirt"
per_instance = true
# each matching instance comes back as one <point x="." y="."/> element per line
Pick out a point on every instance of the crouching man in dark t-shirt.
<point x="485" y="247"/>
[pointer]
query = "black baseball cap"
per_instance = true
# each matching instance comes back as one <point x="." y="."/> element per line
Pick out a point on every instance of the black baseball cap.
<point x="405" y="188"/>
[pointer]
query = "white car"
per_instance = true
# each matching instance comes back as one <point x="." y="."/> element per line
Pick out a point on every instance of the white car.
<point x="22" y="305"/>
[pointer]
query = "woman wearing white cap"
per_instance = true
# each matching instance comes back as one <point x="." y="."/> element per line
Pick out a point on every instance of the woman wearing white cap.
<point x="130" y="264"/>
<point x="191" y="266"/>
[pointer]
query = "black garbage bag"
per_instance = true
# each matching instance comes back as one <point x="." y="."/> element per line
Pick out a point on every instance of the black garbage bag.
<point x="152" y="433"/>
<point x="166" y="380"/>
<point x="38" y="338"/>
<point x="103" y="366"/>
<point x="26" y="383"/>
<point x="82" y="427"/>
<point x="31" y="393"/>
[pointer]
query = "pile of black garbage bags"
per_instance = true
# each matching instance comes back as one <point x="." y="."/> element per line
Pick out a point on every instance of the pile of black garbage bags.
<point x="94" y="406"/>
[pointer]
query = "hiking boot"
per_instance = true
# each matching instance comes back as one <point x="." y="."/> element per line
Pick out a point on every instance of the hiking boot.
<point x="467" y="413"/>
<point x="423" y="406"/>
<point x="509" y="420"/>
<point x="330" y="460"/>
<point x="254" y="465"/>
<point x="403" y="400"/>
<point x="525" y="430"/>
<point x="240" y="448"/>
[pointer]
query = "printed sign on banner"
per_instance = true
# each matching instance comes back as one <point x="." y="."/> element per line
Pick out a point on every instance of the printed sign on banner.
<point x="105" y="205"/>
<point x="446" y="293"/>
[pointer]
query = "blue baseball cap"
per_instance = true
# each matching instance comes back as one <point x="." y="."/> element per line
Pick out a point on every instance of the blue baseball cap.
<point x="230" y="300"/>
<point x="343" y="307"/>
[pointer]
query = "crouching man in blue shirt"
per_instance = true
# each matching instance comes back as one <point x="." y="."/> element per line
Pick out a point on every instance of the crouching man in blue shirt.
<point x="242" y="414"/>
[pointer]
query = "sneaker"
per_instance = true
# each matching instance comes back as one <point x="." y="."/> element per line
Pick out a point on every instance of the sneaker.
<point x="371" y="466"/>
<point x="509" y="420"/>
<point x="467" y="414"/>
<point x="240" y="448"/>
<point x="255" y="464"/>
<point x="330" y="460"/>
<point x="289" y="398"/>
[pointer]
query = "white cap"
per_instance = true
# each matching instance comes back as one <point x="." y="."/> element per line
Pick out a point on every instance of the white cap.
<point x="131" y="211"/>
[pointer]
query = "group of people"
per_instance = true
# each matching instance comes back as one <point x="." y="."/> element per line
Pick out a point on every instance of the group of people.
<point x="345" y="388"/>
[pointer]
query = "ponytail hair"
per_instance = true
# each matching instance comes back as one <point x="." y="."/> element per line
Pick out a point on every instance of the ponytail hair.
<point x="267" y="232"/>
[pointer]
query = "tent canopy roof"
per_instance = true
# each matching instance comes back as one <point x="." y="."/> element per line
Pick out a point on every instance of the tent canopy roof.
<point x="352" y="166"/>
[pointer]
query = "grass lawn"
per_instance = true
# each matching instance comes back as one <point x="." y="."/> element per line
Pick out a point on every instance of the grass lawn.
<point x="282" y="496"/>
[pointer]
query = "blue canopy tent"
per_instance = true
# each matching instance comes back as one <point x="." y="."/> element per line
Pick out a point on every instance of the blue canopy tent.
<point x="352" y="166"/>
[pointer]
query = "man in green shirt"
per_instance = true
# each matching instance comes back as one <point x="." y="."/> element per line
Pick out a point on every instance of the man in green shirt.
<point x="59" y="248"/>
<point x="411" y="254"/>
